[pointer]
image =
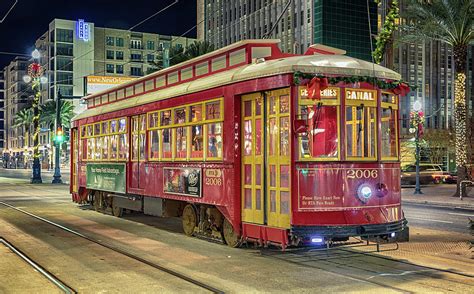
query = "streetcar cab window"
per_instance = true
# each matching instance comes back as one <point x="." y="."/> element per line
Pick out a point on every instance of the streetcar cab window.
<point x="214" y="130"/>
<point x="166" y="135"/>
<point x="197" y="146"/>
<point x="389" y="125"/>
<point x="361" y="124"/>
<point x="320" y="141"/>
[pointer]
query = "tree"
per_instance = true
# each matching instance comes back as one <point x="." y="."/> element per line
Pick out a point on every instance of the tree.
<point x="179" y="54"/>
<point x="48" y="113"/>
<point x="23" y="119"/>
<point x="450" y="22"/>
<point x="437" y="142"/>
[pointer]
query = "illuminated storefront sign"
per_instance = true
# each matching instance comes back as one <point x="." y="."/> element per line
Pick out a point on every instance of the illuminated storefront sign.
<point x="360" y="95"/>
<point x="82" y="30"/>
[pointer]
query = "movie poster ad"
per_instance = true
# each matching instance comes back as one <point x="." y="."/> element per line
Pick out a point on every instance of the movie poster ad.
<point x="182" y="181"/>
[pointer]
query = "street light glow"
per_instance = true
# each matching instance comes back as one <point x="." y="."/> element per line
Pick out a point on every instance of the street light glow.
<point x="417" y="105"/>
<point x="36" y="54"/>
<point x="26" y="79"/>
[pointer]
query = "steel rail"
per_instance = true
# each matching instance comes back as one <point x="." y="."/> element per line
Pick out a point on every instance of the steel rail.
<point x="47" y="274"/>
<point x="118" y="250"/>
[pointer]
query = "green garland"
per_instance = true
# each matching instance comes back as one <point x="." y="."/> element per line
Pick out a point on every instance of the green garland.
<point x="298" y="77"/>
<point x="386" y="32"/>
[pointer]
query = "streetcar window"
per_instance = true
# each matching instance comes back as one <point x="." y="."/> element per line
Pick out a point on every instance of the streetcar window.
<point x="90" y="148"/>
<point x="98" y="148"/>
<point x="153" y="120"/>
<point x="123" y="146"/>
<point x="89" y="131"/>
<point x="84" y="149"/>
<point x="180" y="115"/>
<point x="113" y="146"/>
<point x="154" y="144"/>
<point x="321" y="140"/>
<point x="213" y="110"/>
<point x="142" y="146"/>
<point x="389" y="133"/>
<point x="83" y="131"/>
<point x="113" y="126"/>
<point x="196" y="113"/>
<point x="122" y="125"/>
<point x="105" y="148"/>
<point x="165" y="117"/>
<point x="197" y="146"/>
<point x="214" y="140"/>
<point x="105" y="127"/>
<point x="166" y="138"/>
<point x="134" y="146"/>
<point x="181" y="138"/>
<point x="97" y="129"/>
<point x="361" y="131"/>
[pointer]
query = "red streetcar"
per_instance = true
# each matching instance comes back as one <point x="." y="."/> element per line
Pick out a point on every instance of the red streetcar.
<point x="249" y="144"/>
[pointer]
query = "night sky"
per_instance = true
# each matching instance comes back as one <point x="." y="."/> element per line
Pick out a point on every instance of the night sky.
<point x="26" y="23"/>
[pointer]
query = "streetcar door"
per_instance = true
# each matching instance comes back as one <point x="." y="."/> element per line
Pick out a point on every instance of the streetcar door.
<point x="74" y="159"/>
<point x="266" y="158"/>
<point x="278" y="158"/>
<point x="138" y="132"/>
<point x="252" y="159"/>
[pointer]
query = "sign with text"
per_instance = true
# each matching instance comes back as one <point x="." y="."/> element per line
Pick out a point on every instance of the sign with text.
<point x="182" y="181"/>
<point x="109" y="177"/>
<point x="82" y="30"/>
<point x="96" y="84"/>
<point x="329" y="93"/>
<point x="361" y="95"/>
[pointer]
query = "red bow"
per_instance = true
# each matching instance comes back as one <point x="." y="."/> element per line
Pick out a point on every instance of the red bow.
<point x="402" y="89"/>
<point x="315" y="86"/>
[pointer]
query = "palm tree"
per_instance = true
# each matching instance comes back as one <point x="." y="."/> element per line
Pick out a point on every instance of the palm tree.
<point x="48" y="113"/>
<point x="24" y="119"/>
<point x="198" y="48"/>
<point x="450" y="22"/>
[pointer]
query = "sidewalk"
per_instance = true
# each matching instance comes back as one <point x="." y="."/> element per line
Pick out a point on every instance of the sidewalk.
<point x="439" y="195"/>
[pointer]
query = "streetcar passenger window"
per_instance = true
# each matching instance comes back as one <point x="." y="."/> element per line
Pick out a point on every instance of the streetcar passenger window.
<point x="90" y="148"/>
<point x="113" y="126"/>
<point x="122" y="125"/>
<point x="213" y="110"/>
<point x="105" y="128"/>
<point x="123" y="147"/>
<point x="180" y="115"/>
<point x="105" y="147"/>
<point x="196" y="141"/>
<point x="389" y="133"/>
<point x="165" y="117"/>
<point x="153" y="120"/>
<point x="113" y="146"/>
<point x="154" y="144"/>
<point x="98" y="148"/>
<point x="196" y="113"/>
<point x="181" y="137"/>
<point x="89" y="131"/>
<point x="166" y="138"/>
<point x="321" y="139"/>
<point x="214" y="139"/>
<point x="361" y="131"/>
<point x="97" y="129"/>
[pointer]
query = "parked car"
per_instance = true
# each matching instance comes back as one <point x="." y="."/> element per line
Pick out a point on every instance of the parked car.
<point x="451" y="178"/>
<point x="429" y="174"/>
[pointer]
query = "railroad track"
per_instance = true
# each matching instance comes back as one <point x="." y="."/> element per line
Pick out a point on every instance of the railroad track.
<point x="40" y="269"/>
<point x="343" y="258"/>
<point x="119" y="250"/>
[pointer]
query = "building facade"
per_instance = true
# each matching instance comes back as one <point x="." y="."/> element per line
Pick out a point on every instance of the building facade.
<point x="343" y="24"/>
<point x="2" y="112"/>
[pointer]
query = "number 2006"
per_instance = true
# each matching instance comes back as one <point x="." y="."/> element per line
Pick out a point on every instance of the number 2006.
<point x="362" y="174"/>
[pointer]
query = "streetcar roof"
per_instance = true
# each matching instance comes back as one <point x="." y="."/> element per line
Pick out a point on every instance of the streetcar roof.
<point x="316" y="64"/>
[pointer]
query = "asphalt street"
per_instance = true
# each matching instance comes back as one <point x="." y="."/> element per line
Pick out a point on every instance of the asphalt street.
<point x="438" y="218"/>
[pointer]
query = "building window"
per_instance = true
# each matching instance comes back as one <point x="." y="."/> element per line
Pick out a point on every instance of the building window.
<point x="110" y="68"/>
<point x="119" y="55"/>
<point x="136" y="44"/>
<point x="150" y="45"/>
<point x="136" y="71"/>
<point x="64" y="35"/>
<point x="109" y="41"/>
<point x="136" y="57"/>
<point x="150" y="57"/>
<point x="64" y="49"/>
<point x="110" y="54"/>
<point x="119" y="69"/>
<point x="119" y="42"/>
<point x="64" y="78"/>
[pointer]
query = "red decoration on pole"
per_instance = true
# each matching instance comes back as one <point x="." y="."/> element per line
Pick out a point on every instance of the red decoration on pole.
<point x="315" y="86"/>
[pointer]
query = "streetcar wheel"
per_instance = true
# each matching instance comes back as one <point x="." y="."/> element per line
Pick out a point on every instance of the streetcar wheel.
<point x="189" y="220"/>
<point x="98" y="202"/>
<point x="230" y="236"/>
<point x="116" y="211"/>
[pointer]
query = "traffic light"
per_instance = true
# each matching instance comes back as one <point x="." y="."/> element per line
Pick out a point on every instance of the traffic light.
<point x="59" y="136"/>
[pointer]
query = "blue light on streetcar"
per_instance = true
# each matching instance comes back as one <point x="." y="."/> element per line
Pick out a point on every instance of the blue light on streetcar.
<point x="317" y="240"/>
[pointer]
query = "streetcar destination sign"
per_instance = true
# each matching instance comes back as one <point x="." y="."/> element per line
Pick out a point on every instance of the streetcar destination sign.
<point x="106" y="177"/>
<point x="360" y="95"/>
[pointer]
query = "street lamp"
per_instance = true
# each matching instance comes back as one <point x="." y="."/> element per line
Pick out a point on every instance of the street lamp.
<point x="58" y="140"/>
<point x="416" y="120"/>
<point x="35" y="76"/>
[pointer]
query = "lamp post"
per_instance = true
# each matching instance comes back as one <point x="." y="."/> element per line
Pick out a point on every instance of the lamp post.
<point x="58" y="139"/>
<point x="35" y="76"/>
<point x="417" y="118"/>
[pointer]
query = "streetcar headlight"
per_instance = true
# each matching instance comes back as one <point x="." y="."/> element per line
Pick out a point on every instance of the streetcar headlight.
<point x="317" y="240"/>
<point x="392" y="235"/>
<point x="364" y="192"/>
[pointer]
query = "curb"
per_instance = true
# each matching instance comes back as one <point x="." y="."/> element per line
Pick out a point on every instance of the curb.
<point x="469" y="207"/>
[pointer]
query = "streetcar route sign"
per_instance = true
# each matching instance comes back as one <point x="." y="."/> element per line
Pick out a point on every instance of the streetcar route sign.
<point x="109" y="177"/>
